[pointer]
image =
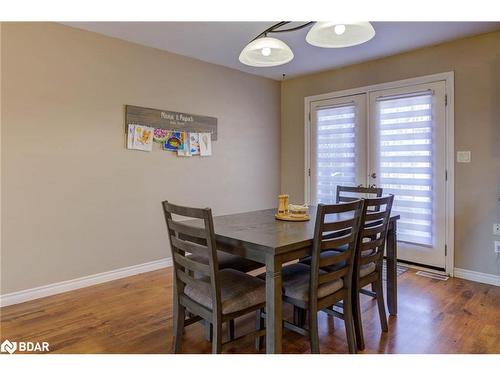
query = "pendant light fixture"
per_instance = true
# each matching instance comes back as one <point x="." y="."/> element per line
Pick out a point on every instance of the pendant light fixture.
<point x="266" y="51"/>
<point x="338" y="35"/>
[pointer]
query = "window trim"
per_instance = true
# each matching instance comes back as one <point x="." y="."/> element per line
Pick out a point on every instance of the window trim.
<point x="448" y="78"/>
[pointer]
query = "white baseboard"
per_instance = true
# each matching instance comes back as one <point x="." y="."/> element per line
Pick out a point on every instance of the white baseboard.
<point x="480" y="277"/>
<point x="81" y="282"/>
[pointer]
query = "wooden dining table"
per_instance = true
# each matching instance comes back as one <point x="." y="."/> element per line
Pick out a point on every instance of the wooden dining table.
<point x="258" y="236"/>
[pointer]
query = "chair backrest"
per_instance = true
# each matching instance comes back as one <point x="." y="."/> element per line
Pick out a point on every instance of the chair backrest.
<point x="373" y="232"/>
<point x="197" y="240"/>
<point x="352" y="193"/>
<point x="337" y="226"/>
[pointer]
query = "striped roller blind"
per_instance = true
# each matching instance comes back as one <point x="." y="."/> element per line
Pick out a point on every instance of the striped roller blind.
<point x="336" y="150"/>
<point x="406" y="163"/>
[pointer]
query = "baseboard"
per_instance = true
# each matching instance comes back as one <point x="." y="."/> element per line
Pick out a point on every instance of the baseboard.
<point x="480" y="277"/>
<point x="81" y="282"/>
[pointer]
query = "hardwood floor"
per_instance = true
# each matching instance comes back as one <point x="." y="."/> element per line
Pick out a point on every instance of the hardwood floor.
<point x="134" y="315"/>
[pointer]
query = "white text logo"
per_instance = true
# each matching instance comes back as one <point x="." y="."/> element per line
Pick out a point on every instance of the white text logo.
<point x="24" y="346"/>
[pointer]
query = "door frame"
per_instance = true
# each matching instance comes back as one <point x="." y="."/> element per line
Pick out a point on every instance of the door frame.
<point x="448" y="78"/>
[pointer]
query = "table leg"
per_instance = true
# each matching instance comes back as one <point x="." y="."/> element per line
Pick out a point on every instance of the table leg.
<point x="392" y="283"/>
<point x="273" y="305"/>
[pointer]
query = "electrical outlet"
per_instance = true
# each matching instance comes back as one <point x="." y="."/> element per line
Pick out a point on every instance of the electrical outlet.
<point x="463" y="156"/>
<point x="496" y="229"/>
<point x="497" y="247"/>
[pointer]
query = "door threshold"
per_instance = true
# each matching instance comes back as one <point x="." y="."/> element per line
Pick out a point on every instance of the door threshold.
<point x="422" y="267"/>
<point x="432" y="275"/>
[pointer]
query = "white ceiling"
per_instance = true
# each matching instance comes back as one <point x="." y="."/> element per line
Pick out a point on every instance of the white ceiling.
<point x="221" y="42"/>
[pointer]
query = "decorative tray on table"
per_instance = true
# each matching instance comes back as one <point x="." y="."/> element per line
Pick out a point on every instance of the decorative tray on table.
<point x="294" y="213"/>
<point x="288" y="217"/>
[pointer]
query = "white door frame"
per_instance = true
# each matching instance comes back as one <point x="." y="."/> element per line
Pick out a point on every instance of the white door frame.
<point x="448" y="78"/>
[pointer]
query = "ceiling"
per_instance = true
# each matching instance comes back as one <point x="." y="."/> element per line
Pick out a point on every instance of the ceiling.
<point x="221" y="42"/>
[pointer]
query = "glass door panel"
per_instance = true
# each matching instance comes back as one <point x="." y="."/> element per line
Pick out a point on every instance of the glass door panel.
<point x="338" y="146"/>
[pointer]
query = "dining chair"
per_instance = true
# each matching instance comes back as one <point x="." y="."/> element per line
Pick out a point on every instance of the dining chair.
<point x="368" y="262"/>
<point x="351" y="193"/>
<point x="200" y="287"/>
<point x="311" y="287"/>
<point x="354" y="193"/>
<point x="225" y="260"/>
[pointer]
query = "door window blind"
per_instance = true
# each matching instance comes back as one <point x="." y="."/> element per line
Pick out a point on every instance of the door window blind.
<point x="336" y="150"/>
<point x="406" y="163"/>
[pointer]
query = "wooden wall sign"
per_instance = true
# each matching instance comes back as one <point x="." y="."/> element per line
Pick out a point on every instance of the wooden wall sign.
<point x="169" y="120"/>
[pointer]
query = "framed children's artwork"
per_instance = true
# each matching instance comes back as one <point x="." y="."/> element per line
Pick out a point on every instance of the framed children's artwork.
<point x="160" y="135"/>
<point x="205" y="144"/>
<point x="184" y="152"/>
<point x="130" y="136"/>
<point x="175" y="141"/>
<point x="194" y="143"/>
<point x="143" y="138"/>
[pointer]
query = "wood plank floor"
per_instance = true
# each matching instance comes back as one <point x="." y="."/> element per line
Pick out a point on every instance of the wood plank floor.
<point x="134" y="315"/>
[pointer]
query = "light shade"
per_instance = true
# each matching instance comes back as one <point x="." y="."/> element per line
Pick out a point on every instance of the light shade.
<point x="266" y="52"/>
<point x="338" y="35"/>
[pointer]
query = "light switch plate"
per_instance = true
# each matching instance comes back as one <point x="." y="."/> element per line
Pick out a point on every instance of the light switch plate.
<point x="463" y="156"/>
<point x="497" y="247"/>
<point x="496" y="229"/>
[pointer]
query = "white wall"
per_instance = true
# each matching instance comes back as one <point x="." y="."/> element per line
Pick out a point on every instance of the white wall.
<point x="75" y="201"/>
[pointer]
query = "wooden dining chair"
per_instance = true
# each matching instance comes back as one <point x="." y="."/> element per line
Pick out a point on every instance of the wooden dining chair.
<point x="310" y="287"/>
<point x="225" y="260"/>
<point x="368" y="262"/>
<point x="200" y="287"/>
<point x="351" y="193"/>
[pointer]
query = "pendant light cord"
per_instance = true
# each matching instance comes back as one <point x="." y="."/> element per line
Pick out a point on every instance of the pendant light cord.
<point x="274" y="29"/>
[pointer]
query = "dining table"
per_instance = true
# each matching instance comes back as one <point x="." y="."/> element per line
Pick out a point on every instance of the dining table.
<point x="259" y="236"/>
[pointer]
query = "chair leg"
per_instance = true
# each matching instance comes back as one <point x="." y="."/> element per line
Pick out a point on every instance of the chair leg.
<point x="179" y="316"/>
<point x="349" y="325"/>
<point x="217" y="337"/>
<point x="381" y="304"/>
<point x="259" y="324"/>
<point x="299" y="316"/>
<point x="296" y="313"/>
<point x="230" y="329"/>
<point x="313" y="331"/>
<point x="358" y="325"/>
<point x="207" y="330"/>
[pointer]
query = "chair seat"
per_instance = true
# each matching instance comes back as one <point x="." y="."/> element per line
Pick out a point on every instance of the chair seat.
<point x="365" y="270"/>
<point x="239" y="291"/>
<point x="324" y="254"/>
<point x="295" y="281"/>
<point x="227" y="260"/>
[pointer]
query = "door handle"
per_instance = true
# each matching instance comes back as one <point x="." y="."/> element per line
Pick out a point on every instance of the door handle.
<point x="373" y="175"/>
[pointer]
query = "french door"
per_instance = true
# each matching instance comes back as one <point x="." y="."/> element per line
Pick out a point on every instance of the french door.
<point x="338" y="146"/>
<point x="394" y="139"/>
